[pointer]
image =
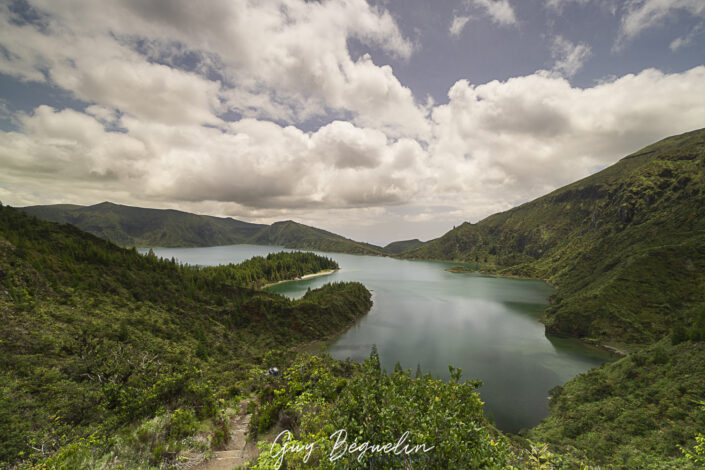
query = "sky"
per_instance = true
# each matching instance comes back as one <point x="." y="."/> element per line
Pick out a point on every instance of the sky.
<point x="379" y="120"/>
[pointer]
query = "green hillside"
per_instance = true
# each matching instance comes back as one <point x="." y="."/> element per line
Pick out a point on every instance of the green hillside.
<point x="105" y="352"/>
<point x="294" y="235"/>
<point x="638" y="412"/>
<point x="136" y="226"/>
<point x="402" y="246"/>
<point x="625" y="247"/>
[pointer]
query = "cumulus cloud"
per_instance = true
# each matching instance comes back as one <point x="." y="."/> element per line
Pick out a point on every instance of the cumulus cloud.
<point x="500" y="11"/>
<point x="159" y="78"/>
<point x="569" y="57"/>
<point x="515" y="140"/>
<point x="493" y="145"/>
<point x="285" y="59"/>
<point x="253" y="163"/>
<point x="457" y="25"/>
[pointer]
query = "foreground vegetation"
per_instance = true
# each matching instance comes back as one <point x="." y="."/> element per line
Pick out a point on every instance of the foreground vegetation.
<point x="642" y="411"/>
<point x="111" y="356"/>
<point x="317" y="398"/>
<point x="111" y="359"/>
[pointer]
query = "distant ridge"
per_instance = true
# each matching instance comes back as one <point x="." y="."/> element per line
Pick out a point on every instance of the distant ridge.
<point x="143" y="227"/>
<point x="403" y="246"/>
<point x="294" y="235"/>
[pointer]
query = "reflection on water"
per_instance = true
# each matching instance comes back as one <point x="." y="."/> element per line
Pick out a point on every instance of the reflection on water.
<point x="423" y="315"/>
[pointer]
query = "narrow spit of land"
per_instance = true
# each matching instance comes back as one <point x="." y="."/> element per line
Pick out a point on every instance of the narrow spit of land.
<point x="306" y="276"/>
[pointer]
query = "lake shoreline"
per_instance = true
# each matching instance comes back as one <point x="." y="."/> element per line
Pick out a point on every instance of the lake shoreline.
<point x="424" y="315"/>
<point x="301" y="278"/>
<point x="459" y="269"/>
<point x="321" y="345"/>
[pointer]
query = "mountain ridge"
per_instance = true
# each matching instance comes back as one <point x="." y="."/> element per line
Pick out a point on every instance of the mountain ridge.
<point x="147" y="227"/>
<point x="402" y="246"/>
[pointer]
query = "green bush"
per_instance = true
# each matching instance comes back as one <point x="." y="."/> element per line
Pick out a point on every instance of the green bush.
<point x="183" y="423"/>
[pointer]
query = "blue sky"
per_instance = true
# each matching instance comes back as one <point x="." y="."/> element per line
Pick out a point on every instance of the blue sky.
<point x="380" y="120"/>
<point x="485" y="50"/>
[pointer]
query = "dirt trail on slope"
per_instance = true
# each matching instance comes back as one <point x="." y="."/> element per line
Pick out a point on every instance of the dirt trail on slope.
<point x="238" y="450"/>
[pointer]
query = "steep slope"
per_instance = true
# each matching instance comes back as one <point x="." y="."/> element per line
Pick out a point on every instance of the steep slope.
<point x="637" y="412"/>
<point x="402" y="246"/>
<point x="102" y="348"/>
<point x="294" y="235"/>
<point x="625" y="247"/>
<point x="136" y="226"/>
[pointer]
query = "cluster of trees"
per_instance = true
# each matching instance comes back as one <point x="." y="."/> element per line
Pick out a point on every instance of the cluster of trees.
<point x="70" y="259"/>
<point x="272" y="268"/>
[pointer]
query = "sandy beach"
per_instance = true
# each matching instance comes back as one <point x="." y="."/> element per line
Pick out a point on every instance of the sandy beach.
<point x="307" y="276"/>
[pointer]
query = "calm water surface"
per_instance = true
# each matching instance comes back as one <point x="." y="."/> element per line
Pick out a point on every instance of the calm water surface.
<point x="423" y="315"/>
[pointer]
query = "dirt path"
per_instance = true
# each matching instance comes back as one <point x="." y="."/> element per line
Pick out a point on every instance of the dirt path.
<point x="238" y="450"/>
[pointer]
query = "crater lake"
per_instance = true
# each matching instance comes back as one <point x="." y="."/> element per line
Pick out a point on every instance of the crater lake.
<point x="424" y="316"/>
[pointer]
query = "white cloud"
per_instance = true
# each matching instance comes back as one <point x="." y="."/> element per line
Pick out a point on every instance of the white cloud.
<point x="687" y="39"/>
<point x="98" y="69"/>
<point x="457" y="25"/>
<point x="644" y="14"/>
<point x="558" y="5"/>
<point x="502" y="143"/>
<point x="500" y="11"/>
<point x="285" y="59"/>
<point x="158" y="80"/>
<point x="493" y="145"/>
<point x="71" y="146"/>
<point x="254" y="164"/>
<point x="569" y="57"/>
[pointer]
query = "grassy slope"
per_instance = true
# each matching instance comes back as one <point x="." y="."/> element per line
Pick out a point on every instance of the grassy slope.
<point x="625" y="247"/>
<point x="136" y="226"/>
<point x="99" y="340"/>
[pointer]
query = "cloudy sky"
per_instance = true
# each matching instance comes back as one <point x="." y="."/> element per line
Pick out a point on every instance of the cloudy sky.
<point x="379" y="120"/>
